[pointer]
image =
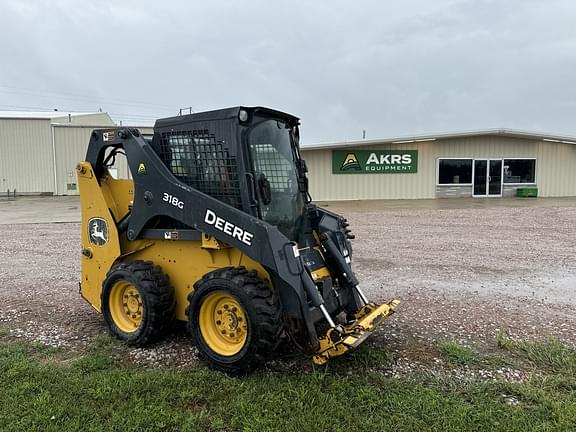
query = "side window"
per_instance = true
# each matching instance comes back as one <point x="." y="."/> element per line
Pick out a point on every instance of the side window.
<point x="199" y="160"/>
<point x="272" y="155"/>
<point x="519" y="170"/>
<point x="454" y="171"/>
<point x="278" y="170"/>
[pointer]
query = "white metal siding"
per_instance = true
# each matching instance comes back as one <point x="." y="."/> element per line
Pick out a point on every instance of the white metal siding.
<point x="71" y="143"/>
<point x="26" y="152"/>
<point x="555" y="168"/>
<point x="26" y="156"/>
<point x="96" y="119"/>
<point x="147" y="131"/>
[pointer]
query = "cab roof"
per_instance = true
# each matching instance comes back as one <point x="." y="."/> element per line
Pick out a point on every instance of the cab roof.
<point x="223" y="114"/>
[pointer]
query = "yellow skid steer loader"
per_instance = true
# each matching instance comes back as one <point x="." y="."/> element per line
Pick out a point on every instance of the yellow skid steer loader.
<point x="216" y="228"/>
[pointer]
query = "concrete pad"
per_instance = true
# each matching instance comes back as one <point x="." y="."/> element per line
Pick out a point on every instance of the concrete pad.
<point x="446" y="203"/>
<point x="25" y="210"/>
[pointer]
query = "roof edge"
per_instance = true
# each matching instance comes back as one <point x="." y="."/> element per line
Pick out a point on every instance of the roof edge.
<point x="44" y="115"/>
<point x="406" y="139"/>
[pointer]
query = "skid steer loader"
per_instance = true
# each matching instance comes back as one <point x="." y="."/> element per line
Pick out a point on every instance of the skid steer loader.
<point x="216" y="228"/>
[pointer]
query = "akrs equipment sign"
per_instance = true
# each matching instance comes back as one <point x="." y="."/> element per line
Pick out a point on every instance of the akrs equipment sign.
<point x="374" y="161"/>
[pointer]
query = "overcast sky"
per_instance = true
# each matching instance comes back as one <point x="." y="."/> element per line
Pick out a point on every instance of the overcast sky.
<point x="391" y="68"/>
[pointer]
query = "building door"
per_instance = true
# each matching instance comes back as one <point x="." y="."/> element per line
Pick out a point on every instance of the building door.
<point x="487" y="178"/>
<point x="495" y="178"/>
<point x="480" y="177"/>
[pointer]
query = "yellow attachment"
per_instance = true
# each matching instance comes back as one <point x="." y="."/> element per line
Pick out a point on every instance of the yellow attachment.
<point x="96" y="200"/>
<point x="334" y="344"/>
<point x="209" y="242"/>
<point x="319" y="274"/>
<point x="126" y="306"/>
<point x="223" y="323"/>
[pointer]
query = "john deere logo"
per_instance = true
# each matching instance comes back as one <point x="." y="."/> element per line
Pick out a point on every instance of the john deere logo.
<point x="141" y="169"/>
<point x="350" y="163"/>
<point x="98" y="231"/>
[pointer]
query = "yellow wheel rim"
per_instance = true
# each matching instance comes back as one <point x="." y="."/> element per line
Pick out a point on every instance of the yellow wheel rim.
<point x="126" y="306"/>
<point x="223" y="323"/>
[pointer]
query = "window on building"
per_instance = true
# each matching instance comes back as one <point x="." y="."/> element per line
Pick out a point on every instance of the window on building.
<point x="519" y="170"/>
<point x="455" y="171"/>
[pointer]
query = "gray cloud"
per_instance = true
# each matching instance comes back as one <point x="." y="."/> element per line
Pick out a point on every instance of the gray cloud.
<point x="391" y="68"/>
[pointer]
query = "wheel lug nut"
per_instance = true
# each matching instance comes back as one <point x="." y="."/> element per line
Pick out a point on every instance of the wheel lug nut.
<point x="223" y="332"/>
<point x="226" y="306"/>
<point x="218" y="322"/>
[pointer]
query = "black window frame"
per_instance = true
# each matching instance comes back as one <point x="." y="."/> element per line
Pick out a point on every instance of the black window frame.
<point x="504" y="160"/>
<point x="471" y="160"/>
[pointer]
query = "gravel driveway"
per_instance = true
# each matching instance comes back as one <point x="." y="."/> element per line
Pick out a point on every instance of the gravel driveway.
<point x="461" y="274"/>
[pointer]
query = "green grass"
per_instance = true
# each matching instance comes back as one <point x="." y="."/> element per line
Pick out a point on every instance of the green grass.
<point x="97" y="392"/>
<point x="550" y="354"/>
<point x="458" y="354"/>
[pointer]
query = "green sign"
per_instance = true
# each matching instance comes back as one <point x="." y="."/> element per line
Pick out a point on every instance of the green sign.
<point x="374" y="161"/>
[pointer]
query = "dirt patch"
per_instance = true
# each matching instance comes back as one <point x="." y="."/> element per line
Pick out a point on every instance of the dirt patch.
<point x="462" y="274"/>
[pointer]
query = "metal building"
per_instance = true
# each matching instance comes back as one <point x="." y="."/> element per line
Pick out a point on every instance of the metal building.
<point x="487" y="163"/>
<point x="39" y="150"/>
<point x="39" y="153"/>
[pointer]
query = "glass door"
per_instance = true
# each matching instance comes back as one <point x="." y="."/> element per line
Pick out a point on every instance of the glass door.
<point x="495" y="178"/>
<point x="487" y="178"/>
<point x="480" y="177"/>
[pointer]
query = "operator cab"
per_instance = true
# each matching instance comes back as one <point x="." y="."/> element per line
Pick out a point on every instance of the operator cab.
<point x="248" y="158"/>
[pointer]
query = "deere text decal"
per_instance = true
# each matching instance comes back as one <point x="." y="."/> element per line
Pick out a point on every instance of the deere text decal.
<point x="374" y="161"/>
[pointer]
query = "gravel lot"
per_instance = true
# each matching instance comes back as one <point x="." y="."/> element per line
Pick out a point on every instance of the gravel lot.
<point x="461" y="274"/>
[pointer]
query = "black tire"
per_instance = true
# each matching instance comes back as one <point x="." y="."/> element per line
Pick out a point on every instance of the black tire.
<point x="259" y="304"/>
<point x="149" y="291"/>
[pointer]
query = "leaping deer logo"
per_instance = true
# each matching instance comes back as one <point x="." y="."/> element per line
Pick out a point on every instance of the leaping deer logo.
<point x="97" y="234"/>
<point x="98" y="231"/>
